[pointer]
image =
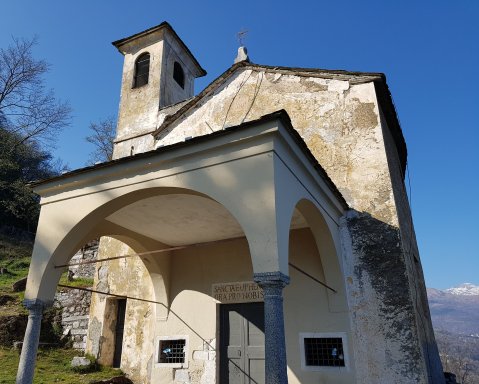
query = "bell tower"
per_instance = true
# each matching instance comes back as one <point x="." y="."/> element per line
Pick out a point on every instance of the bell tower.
<point x="158" y="70"/>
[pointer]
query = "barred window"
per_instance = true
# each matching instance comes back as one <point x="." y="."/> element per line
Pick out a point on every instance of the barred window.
<point x="172" y="351"/>
<point x="142" y="70"/>
<point x="323" y="350"/>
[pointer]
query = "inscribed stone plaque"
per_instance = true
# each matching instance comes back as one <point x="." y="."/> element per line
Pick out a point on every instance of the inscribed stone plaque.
<point x="240" y="292"/>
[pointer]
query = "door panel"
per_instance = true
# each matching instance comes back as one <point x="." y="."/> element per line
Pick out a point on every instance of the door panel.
<point x="256" y="369"/>
<point x="242" y="343"/>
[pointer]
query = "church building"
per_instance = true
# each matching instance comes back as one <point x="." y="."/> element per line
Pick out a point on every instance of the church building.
<point x="258" y="232"/>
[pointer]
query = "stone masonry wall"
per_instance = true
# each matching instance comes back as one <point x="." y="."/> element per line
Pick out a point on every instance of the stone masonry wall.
<point x="75" y="315"/>
<point x="75" y="303"/>
<point x="88" y="252"/>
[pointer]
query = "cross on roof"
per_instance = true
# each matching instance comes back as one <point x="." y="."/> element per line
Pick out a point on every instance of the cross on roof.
<point x="241" y="35"/>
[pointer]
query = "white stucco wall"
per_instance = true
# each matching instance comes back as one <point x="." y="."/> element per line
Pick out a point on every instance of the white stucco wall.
<point x="194" y="312"/>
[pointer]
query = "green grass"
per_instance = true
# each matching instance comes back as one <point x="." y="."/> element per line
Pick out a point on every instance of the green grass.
<point x="53" y="366"/>
<point x="15" y="257"/>
<point x="78" y="282"/>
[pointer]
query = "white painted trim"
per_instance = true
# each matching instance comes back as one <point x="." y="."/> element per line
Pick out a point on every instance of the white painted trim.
<point x="310" y="368"/>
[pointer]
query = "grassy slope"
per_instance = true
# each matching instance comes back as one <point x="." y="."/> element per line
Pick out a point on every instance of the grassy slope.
<point x="53" y="366"/>
<point x="15" y="257"/>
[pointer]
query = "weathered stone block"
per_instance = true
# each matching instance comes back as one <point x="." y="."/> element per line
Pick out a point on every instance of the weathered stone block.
<point x="79" y="345"/>
<point x="79" y="361"/>
<point x="78" y="332"/>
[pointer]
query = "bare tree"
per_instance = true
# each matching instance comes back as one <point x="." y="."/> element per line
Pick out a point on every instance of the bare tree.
<point x="458" y="356"/>
<point x="32" y="112"/>
<point x="102" y="136"/>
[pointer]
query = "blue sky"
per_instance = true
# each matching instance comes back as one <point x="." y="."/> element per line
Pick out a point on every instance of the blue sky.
<point x="429" y="51"/>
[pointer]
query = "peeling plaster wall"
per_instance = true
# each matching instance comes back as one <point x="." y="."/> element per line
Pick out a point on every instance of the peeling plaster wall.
<point x="139" y="106"/>
<point x="127" y="277"/>
<point x="339" y="122"/>
<point x="143" y="143"/>
<point x="129" y="147"/>
<point x="138" y="112"/>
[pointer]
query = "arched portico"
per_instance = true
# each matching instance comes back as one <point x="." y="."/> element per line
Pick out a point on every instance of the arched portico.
<point x="326" y="236"/>
<point x="253" y="177"/>
<point x="316" y="291"/>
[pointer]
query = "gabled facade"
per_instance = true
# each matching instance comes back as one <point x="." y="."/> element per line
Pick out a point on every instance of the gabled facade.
<point x="258" y="232"/>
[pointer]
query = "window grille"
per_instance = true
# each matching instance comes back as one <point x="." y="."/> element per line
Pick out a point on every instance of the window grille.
<point x="324" y="351"/>
<point x="142" y="70"/>
<point x="172" y="351"/>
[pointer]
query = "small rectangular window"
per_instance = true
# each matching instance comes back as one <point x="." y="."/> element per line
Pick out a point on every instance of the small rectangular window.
<point x="321" y="351"/>
<point x="172" y="351"/>
<point x="324" y="351"/>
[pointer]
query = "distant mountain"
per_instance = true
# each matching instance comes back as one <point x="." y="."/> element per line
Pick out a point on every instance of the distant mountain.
<point x="455" y="310"/>
<point x="455" y="318"/>
<point x="466" y="289"/>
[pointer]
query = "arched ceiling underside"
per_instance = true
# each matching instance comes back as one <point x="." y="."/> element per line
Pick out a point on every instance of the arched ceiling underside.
<point x="180" y="219"/>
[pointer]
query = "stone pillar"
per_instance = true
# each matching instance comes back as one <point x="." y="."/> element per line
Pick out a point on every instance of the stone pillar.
<point x="272" y="284"/>
<point x="26" y="366"/>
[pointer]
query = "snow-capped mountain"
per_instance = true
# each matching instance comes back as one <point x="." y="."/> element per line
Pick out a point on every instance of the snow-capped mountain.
<point x="455" y="309"/>
<point x="466" y="289"/>
<point x="455" y="319"/>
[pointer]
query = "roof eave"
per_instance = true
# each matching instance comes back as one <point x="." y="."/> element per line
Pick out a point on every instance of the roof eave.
<point x="280" y="115"/>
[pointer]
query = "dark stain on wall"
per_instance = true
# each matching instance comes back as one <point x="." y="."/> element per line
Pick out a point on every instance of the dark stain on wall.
<point x="381" y="262"/>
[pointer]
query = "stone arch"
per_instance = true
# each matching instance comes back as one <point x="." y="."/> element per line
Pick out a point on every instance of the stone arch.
<point x="93" y="225"/>
<point x="326" y="236"/>
<point x="157" y="269"/>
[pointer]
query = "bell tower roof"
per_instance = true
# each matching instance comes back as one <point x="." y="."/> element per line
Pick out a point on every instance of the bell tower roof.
<point x="154" y="34"/>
